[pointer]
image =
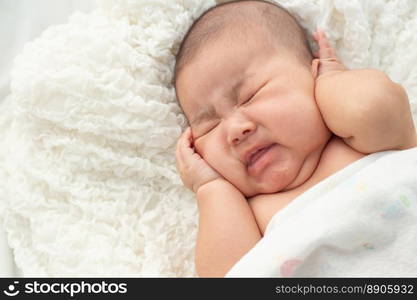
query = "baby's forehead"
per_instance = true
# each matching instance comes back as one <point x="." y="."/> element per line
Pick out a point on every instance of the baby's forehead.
<point x="233" y="38"/>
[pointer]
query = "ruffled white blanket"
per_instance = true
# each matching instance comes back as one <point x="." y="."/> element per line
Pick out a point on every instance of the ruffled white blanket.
<point x="88" y="185"/>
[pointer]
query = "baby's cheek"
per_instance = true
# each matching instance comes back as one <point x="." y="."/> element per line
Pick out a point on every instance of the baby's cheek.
<point x="198" y="149"/>
<point x="213" y="151"/>
<point x="199" y="146"/>
<point x="216" y="158"/>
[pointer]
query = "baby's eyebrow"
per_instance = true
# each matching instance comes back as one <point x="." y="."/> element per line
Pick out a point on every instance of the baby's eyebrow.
<point x="205" y="114"/>
<point x="210" y="112"/>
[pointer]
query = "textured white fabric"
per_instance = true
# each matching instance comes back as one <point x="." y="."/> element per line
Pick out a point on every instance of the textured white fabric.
<point x="360" y="222"/>
<point x="88" y="184"/>
<point x="20" y="22"/>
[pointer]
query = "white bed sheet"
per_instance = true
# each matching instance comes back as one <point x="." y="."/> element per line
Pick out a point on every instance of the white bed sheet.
<point x="20" y="22"/>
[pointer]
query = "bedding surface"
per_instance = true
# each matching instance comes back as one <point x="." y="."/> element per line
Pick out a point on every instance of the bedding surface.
<point x="88" y="184"/>
<point x="20" y="22"/>
<point x="359" y="222"/>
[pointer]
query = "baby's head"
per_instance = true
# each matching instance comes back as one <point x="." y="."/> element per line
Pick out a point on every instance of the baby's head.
<point x="244" y="80"/>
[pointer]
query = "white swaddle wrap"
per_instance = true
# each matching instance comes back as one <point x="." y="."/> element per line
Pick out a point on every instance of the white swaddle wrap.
<point x="359" y="222"/>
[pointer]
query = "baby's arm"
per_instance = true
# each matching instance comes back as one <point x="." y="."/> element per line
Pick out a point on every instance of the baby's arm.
<point x="227" y="227"/>
<point x="365" y="107"/>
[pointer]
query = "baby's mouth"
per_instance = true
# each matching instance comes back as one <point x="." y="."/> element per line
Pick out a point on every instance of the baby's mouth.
<point x="257" y="154"/>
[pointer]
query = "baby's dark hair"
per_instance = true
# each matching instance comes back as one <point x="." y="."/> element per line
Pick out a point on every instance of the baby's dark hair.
<point x="281" y="28"/>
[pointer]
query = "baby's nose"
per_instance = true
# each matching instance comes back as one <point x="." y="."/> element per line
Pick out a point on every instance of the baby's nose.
<point x="240" y="131"/>
<point x="239" y="138"/>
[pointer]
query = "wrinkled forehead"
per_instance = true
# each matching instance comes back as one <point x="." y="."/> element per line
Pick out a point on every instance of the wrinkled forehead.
<point x="223" y="58"/>
<point x="213" y="73"/>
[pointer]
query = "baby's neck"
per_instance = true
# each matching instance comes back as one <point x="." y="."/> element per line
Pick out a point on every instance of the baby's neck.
<point x="335" y="156"/>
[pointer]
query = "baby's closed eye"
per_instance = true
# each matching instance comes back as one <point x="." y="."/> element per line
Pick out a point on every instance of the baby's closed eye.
<point x="205" y="127"/>
<point x="249" y="99"/>
<point x="253" y="95"/>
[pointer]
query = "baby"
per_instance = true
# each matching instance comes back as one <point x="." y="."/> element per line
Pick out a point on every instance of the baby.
<point x="268" y="120"/>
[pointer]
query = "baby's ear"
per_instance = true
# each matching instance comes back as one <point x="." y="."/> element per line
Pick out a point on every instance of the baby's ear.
<point x="315" y="67"/>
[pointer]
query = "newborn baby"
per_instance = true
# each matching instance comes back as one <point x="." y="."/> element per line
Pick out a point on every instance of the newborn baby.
<point x="268" y="121"/>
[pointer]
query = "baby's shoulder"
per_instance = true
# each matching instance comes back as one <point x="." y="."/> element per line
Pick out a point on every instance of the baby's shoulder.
<point x="264" y="206"/>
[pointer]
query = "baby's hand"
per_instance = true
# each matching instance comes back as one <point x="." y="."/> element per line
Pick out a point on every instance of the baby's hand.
<point x="326" y="56"/>
<point x="193" y="169"/>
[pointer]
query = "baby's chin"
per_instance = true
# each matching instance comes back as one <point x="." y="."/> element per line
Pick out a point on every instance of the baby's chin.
<point x="281" y="180"/>
<point x="264" y="188"/>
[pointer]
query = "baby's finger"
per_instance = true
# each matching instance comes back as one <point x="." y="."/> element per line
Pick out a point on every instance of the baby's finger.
<point x="186" y="151"/>
<point x="182" y="144"/>
<point x="325" y="49"/>
<point x="188" y="137"/>
<point x="315" y="36"/>
<point x="179" y="157"/>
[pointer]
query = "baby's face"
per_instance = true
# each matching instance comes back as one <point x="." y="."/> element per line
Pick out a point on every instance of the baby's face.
<point x="239" y="98"/>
